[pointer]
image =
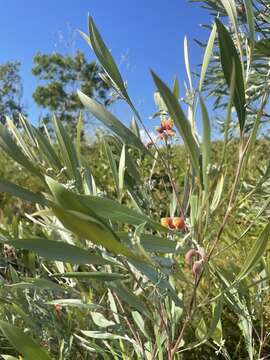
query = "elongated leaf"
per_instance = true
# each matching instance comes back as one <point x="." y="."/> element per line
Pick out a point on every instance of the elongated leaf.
<point x="152" y="243"/>
<point x="229" y="56"/>
<point x="109" y="120"/>
<point x="104" y="335"/>
<point x="217" y="193"/>
<point x="158" y="279"/>
<point x="83" y="220"/>
<point x="206" y="143"/>
<point x="180" y="120"/>
<point x="250" y="20"/>
<point x="262" y="49"/>
<point x="129" y="298"/>
<point x="12" y="150"/>
<point x="99" y="207"/>
<point x="75" y="303"/>
<point x="105" y="58"/>
<point x="60" y="251"/>
<point x="23" y="343"/>
<point x="101" y="276"/>
<point x="207" y="55"/>
<point x="121" y="169"/>
<point x="68" y="152"/>
<point x="230" y="8"/>
<point x="176" y="91"/>
<point x="46" y="149"/>
<point x="256" y="253"/>
<point x="112" y="162"/>
<point x="22" y="193"/>
<point x="100" y="320"/>
<point x="186" y="57"/>
<point x="91" y="229"/>
<point x="38" y="283"/>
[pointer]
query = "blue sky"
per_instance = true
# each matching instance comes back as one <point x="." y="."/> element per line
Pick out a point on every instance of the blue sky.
<point x="141" y="34"/>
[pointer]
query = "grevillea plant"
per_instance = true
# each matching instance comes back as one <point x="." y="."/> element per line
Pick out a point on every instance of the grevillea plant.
<point x="142" y="273"/>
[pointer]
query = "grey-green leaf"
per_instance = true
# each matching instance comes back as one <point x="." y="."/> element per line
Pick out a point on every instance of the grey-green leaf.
<point x="23" y="343"/>
<point x="60" y="251"/>
<point x="229" y="56"/>
<point x="180" y="120"/>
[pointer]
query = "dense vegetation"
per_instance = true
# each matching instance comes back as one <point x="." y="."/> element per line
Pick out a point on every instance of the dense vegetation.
<point x="123" y="250"/>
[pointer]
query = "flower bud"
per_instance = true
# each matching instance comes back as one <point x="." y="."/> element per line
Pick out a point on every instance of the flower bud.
<point x="189" y="256"/>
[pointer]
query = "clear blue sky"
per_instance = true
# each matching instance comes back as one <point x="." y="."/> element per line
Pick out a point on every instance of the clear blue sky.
<point x="141" y="34"/>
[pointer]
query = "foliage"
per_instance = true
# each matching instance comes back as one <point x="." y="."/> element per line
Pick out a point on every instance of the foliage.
<point x="169" y="259"/>
<point x="61" y="76"/>
<point x="248" y="23"/>
<point x="11" y="91"/>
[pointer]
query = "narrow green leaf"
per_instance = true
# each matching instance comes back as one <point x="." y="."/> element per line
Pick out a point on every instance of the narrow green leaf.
<point x="230" y="7"/>
<point x="22" y="193"/>
<point x="109" y="120"/>
<point x="206" y="143"/>
<point x="58" y="251"/>
<point x="186" y="57"/>
<point x="121" y="169"/>
<point x="68" y="152"/>
<point x="83" y="220"/>
<point x="262" y="49"/>
<point x="105" y="58"/>
<point x="112" y="162"/>
<point x="229" y="56"/>
<point x="207" y="55"/>
<point x="180" y="120"/>
<point x="46" y="149"/>
<point x="128" y="297"/>
<point x="100" y="276"/>
<point x="255" y="254"/>
<point x="12" y="150"/>
<point x="217" y="193"/>
<point x="175" y="90"/>
<point x="250" y="21"/>
<point x="152" y="243"/>
<point x="23" y="343"/>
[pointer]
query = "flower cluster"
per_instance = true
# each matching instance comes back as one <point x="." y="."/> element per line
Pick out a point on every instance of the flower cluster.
<point x="173" y="223"/>
<point x="165" y="129"/>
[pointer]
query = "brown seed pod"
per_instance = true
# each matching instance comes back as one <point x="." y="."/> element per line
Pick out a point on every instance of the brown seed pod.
<point x="190" y="255"/>
<point x="197" y="268"/>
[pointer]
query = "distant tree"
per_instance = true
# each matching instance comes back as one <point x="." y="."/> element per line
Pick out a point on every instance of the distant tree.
<point x="61" y="76"/>
<point x="11" y="90"/>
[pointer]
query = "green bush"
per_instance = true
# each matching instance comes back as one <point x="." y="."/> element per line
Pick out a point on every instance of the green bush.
<point x="140" y="252"/>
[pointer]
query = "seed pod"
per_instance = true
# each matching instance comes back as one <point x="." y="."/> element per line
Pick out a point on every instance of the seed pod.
<point x="179" y="223"/>
<point x="197" y="268"/>
<point x="202" y="253"/>
<point x="189" y="256"/>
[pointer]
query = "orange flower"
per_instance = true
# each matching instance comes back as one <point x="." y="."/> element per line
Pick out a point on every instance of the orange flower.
<point x="170" y="133"/>
<point x="167" y="124"/>
<point x="179" y="223"/>
<point x="165" y="222"/>
<point x="159" y="129"/>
